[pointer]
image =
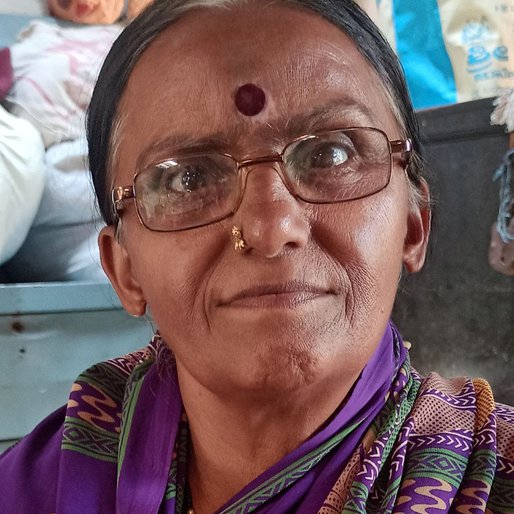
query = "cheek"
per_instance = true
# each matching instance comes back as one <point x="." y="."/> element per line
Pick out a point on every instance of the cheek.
<point x="364" y="232"/>
<point x="364" y="240"/>
<point x="175" y="274"/>
<point x="380" y="240"/>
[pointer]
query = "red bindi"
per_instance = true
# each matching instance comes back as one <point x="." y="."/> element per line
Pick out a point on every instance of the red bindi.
<point x="250" y="99"/>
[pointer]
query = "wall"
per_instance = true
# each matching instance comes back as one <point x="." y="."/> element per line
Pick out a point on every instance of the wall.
<point x="30" y="7"/>
<point x="458" y="312"/>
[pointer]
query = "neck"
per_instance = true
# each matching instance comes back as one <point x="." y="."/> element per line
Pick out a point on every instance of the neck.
<point x="234" y="441"/>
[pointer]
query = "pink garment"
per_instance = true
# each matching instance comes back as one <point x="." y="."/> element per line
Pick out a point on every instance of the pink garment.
<point x="6" y="72"/>
<point x="55" y="69"/>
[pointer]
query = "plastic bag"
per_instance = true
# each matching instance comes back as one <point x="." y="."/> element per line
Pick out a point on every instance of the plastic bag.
<point x="452" y="50"/>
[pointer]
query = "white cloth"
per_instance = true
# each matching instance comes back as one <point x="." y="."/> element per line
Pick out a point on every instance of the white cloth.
<point x="58" y="253"/>
<point x="62" y="243"/>
<point x="69" y="196"/>
<point x="503" y="114"/>
<point x="55" y="69"/>
<point x="22" y="180"/>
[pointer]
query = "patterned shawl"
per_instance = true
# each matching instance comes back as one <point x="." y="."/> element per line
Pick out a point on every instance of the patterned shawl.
<point x="399" y="444"/>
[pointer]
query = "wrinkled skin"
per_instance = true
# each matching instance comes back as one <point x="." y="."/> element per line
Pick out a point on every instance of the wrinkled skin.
<point x="252" y="363"/>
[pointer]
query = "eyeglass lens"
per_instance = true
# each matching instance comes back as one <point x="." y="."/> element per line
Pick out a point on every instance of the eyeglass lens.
<point x="196" y="190"/>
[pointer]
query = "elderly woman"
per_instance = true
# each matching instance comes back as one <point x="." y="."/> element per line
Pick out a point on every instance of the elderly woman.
<point x="257" y="164"/>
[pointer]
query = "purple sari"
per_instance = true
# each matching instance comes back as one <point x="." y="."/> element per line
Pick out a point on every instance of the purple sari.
<point x="120" y="446"/>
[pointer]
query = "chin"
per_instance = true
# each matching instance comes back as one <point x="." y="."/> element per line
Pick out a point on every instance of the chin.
<point x="291" y="366"/>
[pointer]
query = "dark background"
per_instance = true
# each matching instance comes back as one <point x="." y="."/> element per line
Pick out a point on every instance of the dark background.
<point x="458" y="313"/>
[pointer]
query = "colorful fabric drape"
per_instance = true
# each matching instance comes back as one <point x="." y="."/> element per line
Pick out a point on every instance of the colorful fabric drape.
<point x="399" y="444"/>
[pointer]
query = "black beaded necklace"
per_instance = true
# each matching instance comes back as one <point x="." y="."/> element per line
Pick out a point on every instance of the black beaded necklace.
<point x="189" y="500"/>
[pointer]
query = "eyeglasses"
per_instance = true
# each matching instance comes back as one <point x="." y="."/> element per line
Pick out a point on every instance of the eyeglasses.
<point x="192" y="190"/>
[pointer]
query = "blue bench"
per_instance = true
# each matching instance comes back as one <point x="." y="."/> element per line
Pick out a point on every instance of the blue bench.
<point x="49" y="333"/>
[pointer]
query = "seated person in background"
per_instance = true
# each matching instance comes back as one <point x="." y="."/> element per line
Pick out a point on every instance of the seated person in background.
<point x="96" y="11"/>
<point x="22" y="173"/>
<point x="258" y="168"/>
<point x="22" y="180"/>
<point x="54" y="72"/>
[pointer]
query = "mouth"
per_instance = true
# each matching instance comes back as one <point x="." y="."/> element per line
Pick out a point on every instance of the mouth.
<point x="289" y="295"/>
<point x="84" y="9"/>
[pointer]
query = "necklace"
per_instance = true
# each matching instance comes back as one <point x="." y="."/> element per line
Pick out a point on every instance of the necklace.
<point x="189" y="501"/>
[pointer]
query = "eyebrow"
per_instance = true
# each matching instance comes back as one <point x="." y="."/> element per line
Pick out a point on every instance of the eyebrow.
<point x="289" y="128"/>
<point x="338" y="110"/>
<point x="186" y="143"/>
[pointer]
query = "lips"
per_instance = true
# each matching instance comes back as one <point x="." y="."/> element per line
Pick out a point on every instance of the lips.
<point x="83" y="9"/>
<point x="282" y="295"/>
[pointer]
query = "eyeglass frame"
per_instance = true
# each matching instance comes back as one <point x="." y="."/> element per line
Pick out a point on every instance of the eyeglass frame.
<point x="397" y="146"/>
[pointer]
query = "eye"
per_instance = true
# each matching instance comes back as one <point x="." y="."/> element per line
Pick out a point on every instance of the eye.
<point x="322" y="153"/>
<point x="183" y="178"/>
<point x="326" y="155"/>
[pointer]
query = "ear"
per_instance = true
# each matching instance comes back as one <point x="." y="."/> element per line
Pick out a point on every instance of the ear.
<point x="418" y="231"/>
<point x="117" y="266"/>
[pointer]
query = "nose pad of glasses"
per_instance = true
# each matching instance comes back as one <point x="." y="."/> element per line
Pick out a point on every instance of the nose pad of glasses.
<point x="266" y="176"/>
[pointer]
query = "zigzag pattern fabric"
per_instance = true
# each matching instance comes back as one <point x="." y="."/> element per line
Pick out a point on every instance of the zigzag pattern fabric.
<point x="420" y="445"/>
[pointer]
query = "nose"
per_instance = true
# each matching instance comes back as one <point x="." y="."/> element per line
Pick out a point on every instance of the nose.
<point x="271" y="218"/>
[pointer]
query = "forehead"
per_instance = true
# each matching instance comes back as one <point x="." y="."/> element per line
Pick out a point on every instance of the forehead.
<point x="182" y="89"/>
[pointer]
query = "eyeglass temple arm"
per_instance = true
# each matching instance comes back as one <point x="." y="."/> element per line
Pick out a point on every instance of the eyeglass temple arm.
<point x="402" y="147"/>
<point x="119" y="195"/>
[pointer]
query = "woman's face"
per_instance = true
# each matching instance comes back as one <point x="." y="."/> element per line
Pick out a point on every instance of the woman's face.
<point x="310" y="296"/>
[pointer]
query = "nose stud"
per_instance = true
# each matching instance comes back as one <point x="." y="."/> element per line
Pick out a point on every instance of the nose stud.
<point x="237" y="236"/>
